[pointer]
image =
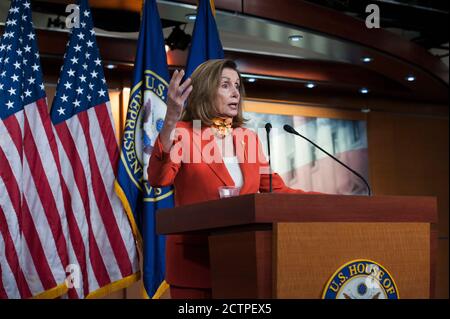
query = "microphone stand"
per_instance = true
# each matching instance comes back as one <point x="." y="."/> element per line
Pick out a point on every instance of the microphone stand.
<point x="268" y="127"/>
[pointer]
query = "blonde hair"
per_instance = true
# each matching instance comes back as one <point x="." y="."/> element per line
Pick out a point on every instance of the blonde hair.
<point x="205" y="84"/>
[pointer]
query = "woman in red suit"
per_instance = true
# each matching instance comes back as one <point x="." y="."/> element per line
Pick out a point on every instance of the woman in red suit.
<point x="207" y="149"/>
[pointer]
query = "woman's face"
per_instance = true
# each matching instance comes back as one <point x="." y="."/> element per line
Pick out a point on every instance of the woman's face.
<point x="228" y="96"/>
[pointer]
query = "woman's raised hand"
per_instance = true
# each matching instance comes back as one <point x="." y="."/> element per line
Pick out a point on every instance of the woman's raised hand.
<point x="177" y="96"/>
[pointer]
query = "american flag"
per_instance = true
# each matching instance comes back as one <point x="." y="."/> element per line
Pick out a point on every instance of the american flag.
<point x="100" y="231"/>
<point x="33" y="246"/>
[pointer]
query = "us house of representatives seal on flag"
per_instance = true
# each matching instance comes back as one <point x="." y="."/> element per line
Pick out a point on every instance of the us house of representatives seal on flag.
<point x="148" y="107"/>
<point x="145" y="118"/>
<point x="361" y="279"/>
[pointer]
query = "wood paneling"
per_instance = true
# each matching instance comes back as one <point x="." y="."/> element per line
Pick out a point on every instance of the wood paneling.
<point x="307" y="255"/>
<point x="442" y="269"/>
<point x="408" y="155"/>
<point x="243" y="258"/>
<point x="258" y="209"/>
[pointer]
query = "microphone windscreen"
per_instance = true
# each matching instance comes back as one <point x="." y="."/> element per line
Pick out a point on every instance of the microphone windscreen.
<point x="289" y="129"/>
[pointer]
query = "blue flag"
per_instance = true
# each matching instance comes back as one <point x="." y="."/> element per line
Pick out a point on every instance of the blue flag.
<point x="206" y="43"/>
<point x="145" y="118"/>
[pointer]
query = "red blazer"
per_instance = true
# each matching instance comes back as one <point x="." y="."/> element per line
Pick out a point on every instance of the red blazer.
<point x="187" y="258"/>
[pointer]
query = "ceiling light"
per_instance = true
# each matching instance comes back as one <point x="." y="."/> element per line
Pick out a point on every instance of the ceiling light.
<point x="366" y="59"/>
<point x="190" y="17"/>
<point x="363" y="90"/>
<point x="365" y="110"/>
<point x="310" y="85"/>
<point x="111" y="66"/>
<point x="251" y="80"/>
<point x="410" y="78"/>
<point x="295" y="38"/>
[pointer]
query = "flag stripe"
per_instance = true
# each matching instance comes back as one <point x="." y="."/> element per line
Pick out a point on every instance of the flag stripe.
<point x="76" y="218"/>
<point x="77" y="251"/>
<point x="10" y="175"/>
<point x="70" y="149"/>
<point x="8" y="277"/>
<point x="72" y="154"/>
<point x="74" y="208"/>
<point x="4" y="274"/>
<point x="42" y="233"/>
<point x="34" y="229"/>
<point x="76" y="248"/>
<point x="88" y="159"/>
<point x="30" y="272"/>
<point x="108" y="179"/>
<point x="34" y="244"/>
<point x="10" y="200"/>
<point x="106" y="213"/>
<point x="30" y="229"/>
<point x="42" y="183"/>
<point x="104" y="118"/>
<point x="13" y="258"/>
<point x="11" y="134"/>
<point x="12" y="125"/>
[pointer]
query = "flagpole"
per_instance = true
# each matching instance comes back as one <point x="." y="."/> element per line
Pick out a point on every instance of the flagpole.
<point x="213" y="7"/>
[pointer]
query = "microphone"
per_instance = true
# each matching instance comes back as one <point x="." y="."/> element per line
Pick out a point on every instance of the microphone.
<point x="268" y="127"/>
<point x="291" y="130"/>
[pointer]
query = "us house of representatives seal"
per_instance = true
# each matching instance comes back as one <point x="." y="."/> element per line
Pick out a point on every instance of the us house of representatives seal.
<point x="146" y="112"/>
<point x="361" y="279"/>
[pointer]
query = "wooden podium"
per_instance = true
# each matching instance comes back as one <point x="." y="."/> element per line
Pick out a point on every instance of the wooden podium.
<point x="288" y="246"/>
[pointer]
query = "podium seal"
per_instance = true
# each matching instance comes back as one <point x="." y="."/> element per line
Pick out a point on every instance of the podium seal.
<point x="361" y="279"/>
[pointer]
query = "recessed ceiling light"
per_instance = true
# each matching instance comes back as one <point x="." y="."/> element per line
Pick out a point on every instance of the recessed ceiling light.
<point x="191" y="16"/>
<point x="365" y="110"/>
<point x="366" y="59"/>
<point x="310" y="85"/>
<point x="111" y="66"/>
<point x="363" y="90"/>
<point x="251" y="80"/>
<point x="410" y="78"/>
<point x="295" y="38"/>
